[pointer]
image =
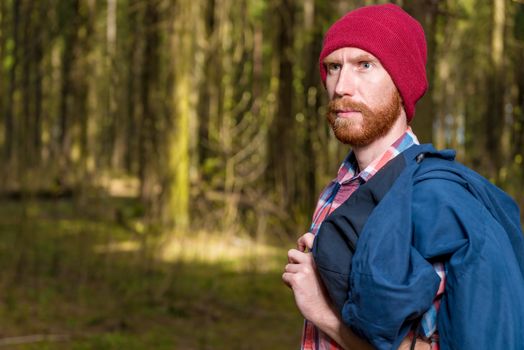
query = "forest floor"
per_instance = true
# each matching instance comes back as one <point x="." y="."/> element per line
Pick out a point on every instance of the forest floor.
<point x="84" y="275"/>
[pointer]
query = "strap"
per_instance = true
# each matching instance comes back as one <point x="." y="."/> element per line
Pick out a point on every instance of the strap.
<point x="415" y="334"/>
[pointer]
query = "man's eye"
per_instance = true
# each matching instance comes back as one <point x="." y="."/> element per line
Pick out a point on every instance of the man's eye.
<point x="333" y="67"/>
<point x="365" y="65"/>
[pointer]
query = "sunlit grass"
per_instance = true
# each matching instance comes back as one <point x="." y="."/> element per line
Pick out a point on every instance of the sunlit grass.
<point x="239" y="253"/>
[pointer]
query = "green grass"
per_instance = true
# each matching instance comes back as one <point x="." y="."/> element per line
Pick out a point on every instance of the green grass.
<point x="68" y="268"/>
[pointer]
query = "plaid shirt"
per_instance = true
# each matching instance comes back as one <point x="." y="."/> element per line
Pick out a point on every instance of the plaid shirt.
<point x="337" y="192"/>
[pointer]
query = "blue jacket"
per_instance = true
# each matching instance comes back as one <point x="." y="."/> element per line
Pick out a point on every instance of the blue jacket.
<point x="439" y="210"/>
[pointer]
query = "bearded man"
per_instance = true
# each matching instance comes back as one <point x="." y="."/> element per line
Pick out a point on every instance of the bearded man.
<point x="440" y="254"/>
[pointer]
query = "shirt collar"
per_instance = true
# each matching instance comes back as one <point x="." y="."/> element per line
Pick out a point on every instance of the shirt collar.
<point x="349" y="168"/>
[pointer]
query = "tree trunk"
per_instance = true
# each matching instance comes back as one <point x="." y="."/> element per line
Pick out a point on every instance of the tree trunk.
<point x="25" y="155"/>
<point x="282" y="138"/>
<point x="518" y="110"/>
<point x="67" y="85"/>
<point x="133" y="69"/>
<point x="149" y="74"/>
<point x="9" y="131"/>
<point x="311" y="100"/>
<point x="177" y="208"/>
<point x="38" y="74"/>
<point x="496" y="91"/>
<point x="427" y="12"/>
<point x="116" y="140"/>
<point x="82" y="74"/>
<point x="3" y="30"/>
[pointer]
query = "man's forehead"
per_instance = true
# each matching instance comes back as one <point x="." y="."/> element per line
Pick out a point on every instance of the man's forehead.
<point x="350" y="53"/>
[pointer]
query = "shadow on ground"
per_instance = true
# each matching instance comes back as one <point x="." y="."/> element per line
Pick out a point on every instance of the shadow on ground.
<point x="61" y="291"/>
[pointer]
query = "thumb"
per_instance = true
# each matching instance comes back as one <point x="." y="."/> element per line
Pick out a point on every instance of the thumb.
<point x="306" y="241"/>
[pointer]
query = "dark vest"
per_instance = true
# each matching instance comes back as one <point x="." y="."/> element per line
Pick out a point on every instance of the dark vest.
<point x="335" y="242"/>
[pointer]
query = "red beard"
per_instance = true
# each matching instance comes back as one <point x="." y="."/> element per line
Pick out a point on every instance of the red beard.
<point x="373" y="123"/>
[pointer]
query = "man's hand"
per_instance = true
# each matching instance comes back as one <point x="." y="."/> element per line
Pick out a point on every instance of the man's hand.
<point x="311" y="297"/>
<point x="302" y="277"/>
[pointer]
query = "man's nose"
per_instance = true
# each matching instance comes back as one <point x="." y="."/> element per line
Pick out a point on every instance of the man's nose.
<point x="346" y="83"/>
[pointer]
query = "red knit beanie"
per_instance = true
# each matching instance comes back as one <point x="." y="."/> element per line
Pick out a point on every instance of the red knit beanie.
<point x="391" y="35"/>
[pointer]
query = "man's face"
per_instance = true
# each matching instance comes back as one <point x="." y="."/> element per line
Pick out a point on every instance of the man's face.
<point x="364" y="101"/>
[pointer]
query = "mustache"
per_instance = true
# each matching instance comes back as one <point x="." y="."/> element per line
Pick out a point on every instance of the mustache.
<point x="345" y="104"/>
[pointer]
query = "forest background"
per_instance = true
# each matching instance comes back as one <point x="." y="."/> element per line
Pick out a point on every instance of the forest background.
<point x="160" y="156"/>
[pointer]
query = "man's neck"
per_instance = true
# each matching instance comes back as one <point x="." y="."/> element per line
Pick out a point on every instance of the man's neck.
<point x="367" y="154"/>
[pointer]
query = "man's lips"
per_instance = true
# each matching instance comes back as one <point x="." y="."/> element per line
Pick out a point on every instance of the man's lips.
<point x="346" y="113"/>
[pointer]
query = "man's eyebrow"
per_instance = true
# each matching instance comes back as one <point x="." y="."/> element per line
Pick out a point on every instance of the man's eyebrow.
<point x="357" y="58"/>
<point x="364" y="57"/>
<point x="328" y="60"/>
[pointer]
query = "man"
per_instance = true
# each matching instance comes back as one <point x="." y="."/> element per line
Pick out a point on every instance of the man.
<point x="373" y="66"/>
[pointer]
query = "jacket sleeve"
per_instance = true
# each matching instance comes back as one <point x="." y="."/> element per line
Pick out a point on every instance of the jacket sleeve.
<point x="483" y="304"/>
